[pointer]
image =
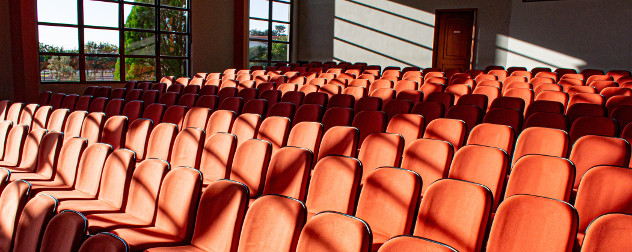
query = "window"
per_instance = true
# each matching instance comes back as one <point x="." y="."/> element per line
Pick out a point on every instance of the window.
<point x="269" y="34"/>
<point x="83" y="41"/>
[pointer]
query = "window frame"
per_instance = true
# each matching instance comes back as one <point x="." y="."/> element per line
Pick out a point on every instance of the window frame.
<point x="269" y="41"/>
<point x="121" y="55"/>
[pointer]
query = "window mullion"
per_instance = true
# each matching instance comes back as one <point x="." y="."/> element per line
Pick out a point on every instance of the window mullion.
<point x="158" y="69"/>
<point x="122" y="66"/>
<point x="82" y="58"/>
<point x="270" y="34"/>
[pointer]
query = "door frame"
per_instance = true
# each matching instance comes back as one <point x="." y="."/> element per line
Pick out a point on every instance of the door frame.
<point x="435" y="47"/>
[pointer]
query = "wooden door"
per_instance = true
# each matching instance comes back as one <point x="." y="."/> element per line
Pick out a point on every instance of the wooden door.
<point x="454" y="39"/>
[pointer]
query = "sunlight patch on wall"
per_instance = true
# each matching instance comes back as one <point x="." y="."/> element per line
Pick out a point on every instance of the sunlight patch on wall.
<point x="522" y="53"/>
<point x="383" y="33"/>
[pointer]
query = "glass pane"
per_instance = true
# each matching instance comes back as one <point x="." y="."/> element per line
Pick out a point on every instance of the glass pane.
<point x="173" y="20"/>
<point x="59" y="68"/>
<point x="102" y="69"/>
<point x="257" y="50"/>
<point x="100" y="13"/>
<point x="101" y="41"/>
<point x="141" y="1"/>
<point x="280" y="52"/>
<point x="140" y="69"/>
<point x="259" y="8"/>
<point x="173" y="45"/>
<point x="58" y="39"/>
<point x="140" y="17"/>
<point x="175" y="3"/>
<point x="57" y="11"/>
<point x="140" y="43"/>
<point x="280" y="31"/>
<point x="258" y="29"/>
<point x="173" y="67"/>
<point x="281" y="11"/>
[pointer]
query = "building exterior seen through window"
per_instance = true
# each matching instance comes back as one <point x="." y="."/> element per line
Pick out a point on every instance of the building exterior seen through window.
<point x="83" y="41"/>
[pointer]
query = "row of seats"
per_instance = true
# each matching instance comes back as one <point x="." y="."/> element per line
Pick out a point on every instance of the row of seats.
<point x="285" y="180"/>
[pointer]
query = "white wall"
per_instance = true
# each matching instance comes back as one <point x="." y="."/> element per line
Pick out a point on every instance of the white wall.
<point x="575" y="34"/>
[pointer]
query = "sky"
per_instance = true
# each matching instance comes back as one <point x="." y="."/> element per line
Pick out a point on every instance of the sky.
<point x="106" y="14"/>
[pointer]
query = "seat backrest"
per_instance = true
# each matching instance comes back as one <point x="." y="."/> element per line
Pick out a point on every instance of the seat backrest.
<point x="250" y="165"/>
<point x="407" y="242"/>
<point x="275" y="130"/>
<point x="589" y="151"/>
<point x="105" y="242"/>
<point x="220" y="216"/>
<point x="73" y="125"/>
<point x="92" y="127"/>
<point x="306" y="135"/>
<point x="114" y="131"/>
<point x="220" y="121"/>
<point x="337" y="116"/>
<point x="410" y="126"/>
<point x="116" y="177"/>
<point x="133" y="110"/>
<point x="450" y="130"/>
<point x="547" y="120"/>
<point x="48" y="154"/>
<point x="585" y="109"/>
<point x="188" y="100"/>
<point x="388" y="201"/>
<point x="381" y="149"/>
<point x="65" y="232"/>
<point x="593" y="125"/>
<point x="154" y="112"/>
<point x="168" y="98"/>
<point x="217" y="157"/>
<point x="341" y="100"/>
<point x="14" y="111"/>
<point x="544" y="141"/>
<point x="522" y="221"/>
<point x="368" y="103"/>
<point x="69" y="157"/>
<point x="14" y="144"/>
<point x="510" y="102"/>
<point x="479" y="100"/>
<point x="178" y="200"/>
<point x="142" y="193"/>
<point x="285" y="109"/>
<point x="493" y="135"/>
<point x="308" y="113"/>
<point x="30" y="149"/>
<point x="322" y="233"/>
<point x="40" y="118"/>
<point x="137" y="135"/>
<point x="369" y="122"/>
<point x="448" y="216"/>
<point x="541" y="175"/>
<point x="272" y="214"/>
<point x="175" y="114"/>
<point x="33" y="220"/>
<point x="471" y="115"/>
<point x="187" y="148"/>
<point x="91" y="167"/>
<point x="505" y="116"/>
<point x="608" y="232"/>
<point x="334" y="184"/>
<point x="196" y="117"/>
<point x="256" y="106"/>
<point x="161" y="141"/>
<point x="430" y="158"/>
<point x="288" y="172"/>
<point x="27" y="114"/>
<point x="13" y="199"/>
<point x="246" y="127"/>
<point x="483" y="165"/>
<point x="114" y="107"/>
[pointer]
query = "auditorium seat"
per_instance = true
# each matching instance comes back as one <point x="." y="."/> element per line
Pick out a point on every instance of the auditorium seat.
<point x="333" y="186"/>
<point x="65" y="232"/>
<point x="543" y="141"/>
<point x="523" y="221"/>
<point x="450" y="130"/>
<point x="455" y="212"/>
<point x="177" y="203"/>
<point x="306" y="135"/>
<point x="332" y="231"/>
<point x="13" y="199"/>
<point x="413" y="243"/>
<point x="32" y="223"/>
<point x="161" y="140"/>
<point x="250" y="165"/>
<point x="589" y="151"/>
<point x="388" y="201"/>
<point x="608" y="232"/>
<point x="288" y="173"/>
<point x="187" y="148"/>
<point x="272" y="214"/>
<point x="483" y="165"/>
<point x="73" y="124"/>
<point x="493" y="135"/>
<point x="220" y="121"/>
<point x="104" y="242"/>
<point x="219" y="218"/>
<point x="275" y="129"/>
<point x="369" y="122"/>
<point x="196" y="117"/>
<point x="593" y="125"/>
<point x="542" y="175"/>
<point x="114" y="131"/>
<point x="154" y="112"/>
<point x="246" y="127"/>
<point x="337" y="116"/>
